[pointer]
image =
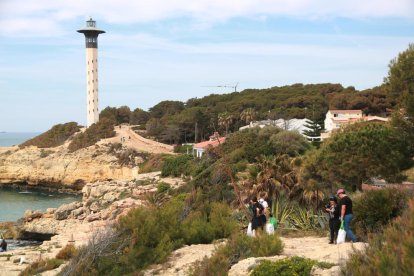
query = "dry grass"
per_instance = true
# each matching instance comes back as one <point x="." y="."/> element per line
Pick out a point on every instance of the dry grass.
<point x="8" y="229"/>
<point x="410" y="174"/>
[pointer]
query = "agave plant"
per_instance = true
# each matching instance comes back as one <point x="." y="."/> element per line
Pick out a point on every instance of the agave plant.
<point x="281" y="210"/>
<point x="307" y="219"/>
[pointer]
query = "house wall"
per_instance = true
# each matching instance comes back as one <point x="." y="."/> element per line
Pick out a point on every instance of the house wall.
<point x="331" y="115"/>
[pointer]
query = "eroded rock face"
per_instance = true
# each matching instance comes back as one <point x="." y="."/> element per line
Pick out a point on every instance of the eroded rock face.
<point x="61" y="168"/>
<point x="102" y="201"/>
<point x="65" y="210"/>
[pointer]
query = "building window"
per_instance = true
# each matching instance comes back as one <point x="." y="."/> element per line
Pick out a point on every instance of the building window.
<point x="335" y="114"/>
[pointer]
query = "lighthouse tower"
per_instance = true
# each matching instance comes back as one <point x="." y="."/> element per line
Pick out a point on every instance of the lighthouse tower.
<point x="91" y="38"/>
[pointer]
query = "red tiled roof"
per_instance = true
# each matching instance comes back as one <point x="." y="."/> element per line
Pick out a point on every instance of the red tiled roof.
<point x="213" y="143"/>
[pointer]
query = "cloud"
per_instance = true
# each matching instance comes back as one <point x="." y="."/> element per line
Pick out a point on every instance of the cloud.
<point x="47" y="16"/>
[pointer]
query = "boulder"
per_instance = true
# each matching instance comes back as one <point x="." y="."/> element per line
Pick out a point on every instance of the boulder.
<point x="335" y="270"/>
<point x="75" y="213"/>
<point x="94" y="207"/>
<point x="65" y="210"/>
<point x="93" y="217"/>
<point x="50" y="210"/>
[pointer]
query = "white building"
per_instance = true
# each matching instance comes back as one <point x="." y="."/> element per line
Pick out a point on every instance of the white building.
<point x="298" y="125"/>
<point x="214" y="141"/>
<point x="335" y="119"/>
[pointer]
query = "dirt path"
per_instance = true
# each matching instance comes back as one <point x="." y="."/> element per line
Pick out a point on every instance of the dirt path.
<point x="129" y="138"/>
<point x="315" y="248"/>
<point x="318" y="249"/>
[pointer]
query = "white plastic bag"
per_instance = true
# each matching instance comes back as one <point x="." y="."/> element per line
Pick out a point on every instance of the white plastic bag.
<point x="341" y="234"/>
<point x="249" y="230"/>
<point x="270" y="229"/>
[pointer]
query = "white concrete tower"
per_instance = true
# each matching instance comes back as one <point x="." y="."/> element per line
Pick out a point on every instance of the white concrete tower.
<point x="91" y="38"/>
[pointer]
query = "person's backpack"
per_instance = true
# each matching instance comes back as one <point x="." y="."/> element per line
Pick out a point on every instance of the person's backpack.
<point x="261" y="208"/>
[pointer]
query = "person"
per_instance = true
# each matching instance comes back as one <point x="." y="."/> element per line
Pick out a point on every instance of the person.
<point x="257" y="210"/>
<point x="334" y="223"/>
<point x="265" y="210"/>
<point x="3" y="245"/>
<point x="345" y="204"/>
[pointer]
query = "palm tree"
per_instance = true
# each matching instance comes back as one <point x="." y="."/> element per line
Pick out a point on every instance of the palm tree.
<point x="248" y="115"/>
<point x="277" y="174"/>
<point x="225" y="119"/>
<point x="312" y="192"/>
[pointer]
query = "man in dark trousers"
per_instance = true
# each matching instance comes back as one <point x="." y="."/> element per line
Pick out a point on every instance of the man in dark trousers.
<point x="345" y="204"/>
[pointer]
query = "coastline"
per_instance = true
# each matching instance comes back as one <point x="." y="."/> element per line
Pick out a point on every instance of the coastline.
<point x="102" y="203"/>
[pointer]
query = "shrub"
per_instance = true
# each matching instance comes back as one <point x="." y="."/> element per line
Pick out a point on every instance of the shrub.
<point x="153" y="164"/>
<point x="248" y="144"/>
<point x="238" y="247"/>
<point x="41" y="266"/>
<point x="54" y="137"/>
<point x="208" y="222"/>
<point x="150" y="234"/>
<point x="175" y="165"/>
<point x="163" y="187"/>
<point x="67" y="252"/>
<point x="289" y="266"/>
<point x="100" y="130"/>
<point x="388" y="253"/>
<point x="183" y="149"/>
<point x="374" y="209"/>
<point x="290" y="143"/>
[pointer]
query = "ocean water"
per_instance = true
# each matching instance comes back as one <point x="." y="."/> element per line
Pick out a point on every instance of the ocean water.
<point x="15" y="201"/>
<point x="8" y="139"/>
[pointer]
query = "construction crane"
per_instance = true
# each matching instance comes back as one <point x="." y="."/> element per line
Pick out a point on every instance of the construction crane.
<point x="225" y="86"/>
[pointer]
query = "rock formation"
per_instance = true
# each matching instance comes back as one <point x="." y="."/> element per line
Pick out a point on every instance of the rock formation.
<point x="58" y="167"/>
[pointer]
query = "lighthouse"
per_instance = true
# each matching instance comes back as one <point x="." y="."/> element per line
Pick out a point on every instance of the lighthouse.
<point x="91" y="41"/>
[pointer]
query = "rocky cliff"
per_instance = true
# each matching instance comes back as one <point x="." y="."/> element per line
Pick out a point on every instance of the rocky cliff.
<point x="58" y="167"/>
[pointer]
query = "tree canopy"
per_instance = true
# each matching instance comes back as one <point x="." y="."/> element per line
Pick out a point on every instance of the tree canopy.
<point x="359" y="152"/>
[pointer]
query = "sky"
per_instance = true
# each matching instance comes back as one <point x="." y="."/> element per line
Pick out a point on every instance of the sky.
<point x="180" y="49"/>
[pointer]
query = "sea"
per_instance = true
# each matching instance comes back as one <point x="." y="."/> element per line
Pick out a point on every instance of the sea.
<point x="14" y="201"/>
<point x="8" y="139"/>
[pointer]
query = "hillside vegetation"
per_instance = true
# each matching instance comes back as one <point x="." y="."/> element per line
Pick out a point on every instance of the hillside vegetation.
<point x="54" y="137"/>
<point x="196" y="119"/>
<point x="294" y="176"/>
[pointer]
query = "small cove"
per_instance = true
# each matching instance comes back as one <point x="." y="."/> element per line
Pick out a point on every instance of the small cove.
<point x="15" y="201"/>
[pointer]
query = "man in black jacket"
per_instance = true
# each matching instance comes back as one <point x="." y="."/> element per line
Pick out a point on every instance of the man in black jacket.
<point x="345" y="204"/>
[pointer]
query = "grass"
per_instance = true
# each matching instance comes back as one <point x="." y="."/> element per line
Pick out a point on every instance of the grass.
<point x="410" y="174"/>
<point x="41" y="266"/>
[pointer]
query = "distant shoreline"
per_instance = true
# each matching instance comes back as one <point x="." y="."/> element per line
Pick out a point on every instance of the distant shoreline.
<point x="9" y="139"/>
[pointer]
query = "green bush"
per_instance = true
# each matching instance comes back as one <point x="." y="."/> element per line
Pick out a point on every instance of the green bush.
<point x="289" y="142"/>
<point x="152" y="164"/>
<point x="238" y="247"/>
<point x="163" y="187"/>
<point x="100" y="130"/>
<point x="54" y="137"/>
<point x="183" y="149"/>
<point x="175" y="165"/>
<point x="290" y="267"/>
<point x="388" y="253"/>
<point x="248" y="144"/>
<point x="374" y="209"/>
<point x="147" y="235"/>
